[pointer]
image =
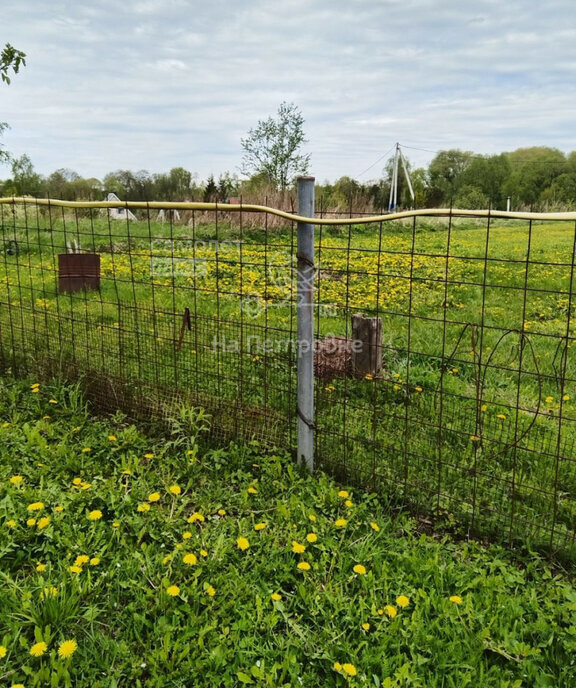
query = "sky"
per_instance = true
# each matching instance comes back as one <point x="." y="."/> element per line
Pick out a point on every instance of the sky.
<point x="156" y="84"/>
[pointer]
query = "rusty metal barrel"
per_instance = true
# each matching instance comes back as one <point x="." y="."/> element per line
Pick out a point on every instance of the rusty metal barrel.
<point x="78" y="271"/>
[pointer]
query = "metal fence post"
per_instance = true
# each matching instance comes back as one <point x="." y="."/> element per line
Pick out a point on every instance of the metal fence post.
<point x="305" y="316"/>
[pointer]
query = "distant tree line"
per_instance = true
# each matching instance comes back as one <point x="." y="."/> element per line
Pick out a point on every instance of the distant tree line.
<point x="538" y="178"/>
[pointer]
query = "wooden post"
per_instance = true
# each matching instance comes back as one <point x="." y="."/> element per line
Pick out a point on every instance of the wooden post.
<point x="366" y="344"/>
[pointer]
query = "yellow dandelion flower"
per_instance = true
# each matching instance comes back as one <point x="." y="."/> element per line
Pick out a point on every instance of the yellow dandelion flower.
<point x="59" y="508"/>
<point x="484" y="407"/>
<point x="3" y="651"/>
<point x="340" y="522"/>
<point x="252" y="490"/>
<point x="40" y="567"/>
<point x="85" y="450"/>
<point x="43" y="522"/>
<point x="186" y="535"/>
<point x="297" y="547"/>
<point x="149" y="456"/>
<point x="16" y="480"/>
<point x="259" y="526"/>
<point x="348" y="503"/>
<point x="77" y="481"/>
<point x="49" y="592"/>
<point x="196" y="517"/>
<point x="81" y="559"/>
<point x="86" y="486"/>
<point x="203" y="553"/>
<point x="31" y="522"/>
<point x="374" y="526"/>
<point x="67" y="648"/>
<point x="500" y="415"/>
<point x="349" y="669"/>
<point x="360" y="570"/>
<point x="11" y="523"/>
<point x="221" y="512"/>
<point x="154" y="497"/>
<point x="166" y="559"/>
<point x="210" y="591"/>
<point x="566" y="397"/>
<point x="175" y="489"/>
<point x="344" y="494"/>
<point x="402" y="601"/>
<point x="95" y="515"/>
<point x="116" y="524"/>
<point x="312" y="517"/>
<point x="143" y="507"/>
<point x="38" y="649"/>
<point x="390" y="610"/>
<point x="75" y="569"/>
<point x="112" y="438"/>
<point x="276" y="597"/>
<point x="36" y="506"/>
<point x="52" y="401"/>
<point x="242" y="543"/>
<point x="173" y="590"/>
<point x="94" y="561"/>
<point x="312" y="537"/>
<point x="381" y="612"/>
<point x="456" y="599"/>
<point x="337" y="666"/>
<point x="366" y="626"/>
<point x="304" y="566"/>
<point x="549" y="400"/>
<point x="190" y="559"/>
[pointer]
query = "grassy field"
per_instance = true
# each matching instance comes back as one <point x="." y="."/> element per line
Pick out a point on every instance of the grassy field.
<point x="134" y="560"/>
<point x="471" y="421"/>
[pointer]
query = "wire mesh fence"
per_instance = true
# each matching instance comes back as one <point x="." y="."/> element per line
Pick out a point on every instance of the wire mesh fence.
<point x="469" y="419"/>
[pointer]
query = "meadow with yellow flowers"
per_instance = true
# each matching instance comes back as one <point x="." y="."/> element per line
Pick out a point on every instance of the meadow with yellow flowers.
<point x="133" y="559"/>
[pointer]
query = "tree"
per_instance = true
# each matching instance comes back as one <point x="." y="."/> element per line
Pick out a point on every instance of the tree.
<point x="445" y="174"/>
<point x="11" y="58"/>
<point x="273" y="147"/>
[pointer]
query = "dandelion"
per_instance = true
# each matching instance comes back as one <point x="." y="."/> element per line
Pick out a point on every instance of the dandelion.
<point x="190" y="559"/>
<point x="203" y="553"/>
<point x="360" y="570"/>
<point x="81" y="559"/>
<point x="402" y="601"/>
<point x="67" y="648"/>
<point x="456" y="599"/>
<point x="312" y="517"/>
<point x="566" y="397"/>
<point x="196" y="517"/>
<point x="344" y="494"/>
<point x="390" y="610"/>
<point x="95" y="515"/>
<point x="35" y="506"/>
<point x="549" y="400"/>
<point x="94" y="561"/>
<point x="259" y="526"/>
<point x="252" y="490"/>
<point x="349" y="669"/>
<point x="312" y="537"/>
<point x="52" y="401"/>
<point x="149" y="456"/>
<point x="348" y="503"/>
<point x="40" y="567"/>
<point x="297" y="547"/>
<point x="77" y="482"/>
<point x="116" y="524"/>
<point x="340" y="522"/>
<point x="337" y="666"/>
<point x="484" y="407"/>
<point x="11" y="523"/>
<point x="186" y="535"/>
<point x="16" y="480"/>
<point x="175" y="489"/>
<point x="374" y="526"/>
<point x="242" y="543"/>
<point x="166" y="559"/>
<point x="38" y="649"/>
<point x="173" y="590"/>
<point x="210" y="591"/>
<point x="304" y="566"/>
<point x="31" y="522"/>
<point x="43" y="522"/>
<point x="3" y="651"/>
<point x="276" y="597"/>
<point x="59" y="508"/>
<point x="112" y="438"/>
<point x="366" y="626"/>
<point x="85" y="450"/>
<point x="49" y="592"/>
<point x="143" y="507"/>
<point x="501" y="416"/>
<point x="154" y="497"/>
<point x="221" y="512"/>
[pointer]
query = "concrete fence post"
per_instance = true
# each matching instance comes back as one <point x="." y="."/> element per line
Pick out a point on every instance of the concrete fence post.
<point x="305" y="317"/>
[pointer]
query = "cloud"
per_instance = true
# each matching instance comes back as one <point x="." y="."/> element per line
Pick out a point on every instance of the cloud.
<point x="155" y="84"/>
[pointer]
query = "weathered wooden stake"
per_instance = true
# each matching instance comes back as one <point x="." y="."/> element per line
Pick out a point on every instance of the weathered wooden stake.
<point x="367" y="344"/>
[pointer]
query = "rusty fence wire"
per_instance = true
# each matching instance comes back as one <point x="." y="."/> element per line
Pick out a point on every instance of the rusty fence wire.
<point x="469" y="419"/>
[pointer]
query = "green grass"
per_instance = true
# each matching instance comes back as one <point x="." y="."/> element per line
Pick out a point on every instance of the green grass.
<point x="472" y="419"/>
<point x="511" y="621"/>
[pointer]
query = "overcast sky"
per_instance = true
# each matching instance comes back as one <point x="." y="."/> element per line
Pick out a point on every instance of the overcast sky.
<point x="156" y="84"/>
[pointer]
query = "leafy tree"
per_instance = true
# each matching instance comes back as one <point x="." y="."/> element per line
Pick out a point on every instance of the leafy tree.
<point x="11" y="58"/>
<point x="25" y="180"/>
<point x="533" y="171"/>
<point x="273" y="147"/>
<point x="445" y="175"/>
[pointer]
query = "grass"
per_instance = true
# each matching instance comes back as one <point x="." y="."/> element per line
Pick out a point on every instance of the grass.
<point x="161" y="564"/>
<point x="471" y="421"/>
